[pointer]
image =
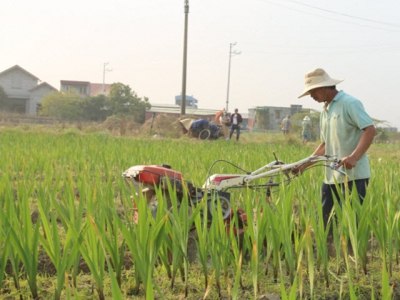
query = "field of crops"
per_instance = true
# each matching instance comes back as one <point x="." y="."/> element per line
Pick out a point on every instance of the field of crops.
<point x="67" y="226"/>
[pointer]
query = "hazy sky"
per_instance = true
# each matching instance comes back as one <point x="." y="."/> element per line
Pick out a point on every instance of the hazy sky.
<point x="279" y="40"/>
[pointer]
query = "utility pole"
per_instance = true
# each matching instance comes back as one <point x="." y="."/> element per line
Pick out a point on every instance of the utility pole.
<point x="183" y="94"/>
<point x="104" y="74"/>
<point x="229" y="70"/>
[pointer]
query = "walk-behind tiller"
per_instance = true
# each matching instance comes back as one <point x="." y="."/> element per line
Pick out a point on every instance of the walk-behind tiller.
<point x="147" y="178"/>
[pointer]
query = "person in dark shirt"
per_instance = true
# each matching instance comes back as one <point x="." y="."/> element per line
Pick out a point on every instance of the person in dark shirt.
<point x="236" y="121"/>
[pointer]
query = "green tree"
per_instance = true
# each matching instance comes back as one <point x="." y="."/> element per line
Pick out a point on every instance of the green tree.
<point x="3" y="99"/>
<point x="262" y="118"/>
<point x="125" y="102"/>
<point x="381" y="136"/>
<point x="94" y="108"/>
<point x="62" y="105"/>
<point x="314" y="115"/>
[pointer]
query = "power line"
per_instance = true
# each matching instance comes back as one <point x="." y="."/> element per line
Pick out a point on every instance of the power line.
<point x="345" y="15"/>
<point x="334" y="49"/>
<point x="337" y="20"/>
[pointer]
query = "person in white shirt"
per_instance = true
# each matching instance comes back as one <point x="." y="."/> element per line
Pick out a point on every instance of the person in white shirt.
<point x="236" y="121"/>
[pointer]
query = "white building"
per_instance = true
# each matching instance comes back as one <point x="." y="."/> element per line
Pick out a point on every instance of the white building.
<point x="23" y="90"/>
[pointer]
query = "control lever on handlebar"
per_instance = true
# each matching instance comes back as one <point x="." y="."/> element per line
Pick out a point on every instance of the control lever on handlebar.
<point x="334" y="165"/>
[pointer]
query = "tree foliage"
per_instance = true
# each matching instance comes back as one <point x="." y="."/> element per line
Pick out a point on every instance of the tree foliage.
<point x="314" y="116"/>
<point x="94" y="108"/>
<point x="382" y="135"/>
<point x="62" y="105"/>
<point x="262" y="118"/>
<point x="123" y="101"/>
<point x="69" y="105"/>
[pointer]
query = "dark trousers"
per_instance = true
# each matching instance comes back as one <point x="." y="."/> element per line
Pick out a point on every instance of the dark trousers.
<point x="233" y="128"/>
<point x="329" y="192"/>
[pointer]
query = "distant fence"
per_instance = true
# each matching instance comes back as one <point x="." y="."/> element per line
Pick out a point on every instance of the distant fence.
<point x="37" y="120"/>
<point x="19" y="119"/>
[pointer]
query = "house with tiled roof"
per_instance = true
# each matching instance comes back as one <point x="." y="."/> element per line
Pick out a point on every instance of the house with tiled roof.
<point x="85" y="88"/>
<point x="81" y="87"/>
<point x="23" y="90"/>
<point x="99" y="89"/>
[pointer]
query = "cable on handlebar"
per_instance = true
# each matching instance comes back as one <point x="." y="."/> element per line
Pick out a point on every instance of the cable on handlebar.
<point x="320" y="165"/>
<point x="228" y="162"/>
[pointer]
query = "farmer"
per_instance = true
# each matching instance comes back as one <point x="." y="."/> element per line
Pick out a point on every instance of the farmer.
<point x="286" y="125"/>
<point x="224" y="121"/>
<point x="186" y="124"/>
<point x="218" y="116"/>
<point x="306" y="130"/>
<point x="346" y="130"/>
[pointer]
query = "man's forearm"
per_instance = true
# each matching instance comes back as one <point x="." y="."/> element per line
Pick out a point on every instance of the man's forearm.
<point x="365" y="142"/>
<point x="320" y="150"/>
<point x="349" y="162"/>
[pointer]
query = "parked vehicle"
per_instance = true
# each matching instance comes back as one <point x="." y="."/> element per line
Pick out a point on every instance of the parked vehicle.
<point x="201" y="129"/>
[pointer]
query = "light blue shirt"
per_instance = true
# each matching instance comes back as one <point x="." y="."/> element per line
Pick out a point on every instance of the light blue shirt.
<point x="341" y="129"/>
<point x="306" y="127"/>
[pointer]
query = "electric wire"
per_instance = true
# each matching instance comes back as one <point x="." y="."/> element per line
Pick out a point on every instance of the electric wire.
<point x="337" y="20"/>
<point x="345" y="15"/>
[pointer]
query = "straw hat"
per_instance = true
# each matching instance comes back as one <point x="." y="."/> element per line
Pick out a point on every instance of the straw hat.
<point x="187" y="123"/>
<point x="306" y="118"/>
<point x="318" y="78"/>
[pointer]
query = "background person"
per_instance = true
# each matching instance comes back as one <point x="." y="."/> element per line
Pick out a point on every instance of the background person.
<point x="346" y="130"/>
<point x="236" y="121"/>
<point x="218" y="116"/>
<point x="286" y="125"/>
<point x="225" y="122"/>
<point x="306" y="130"/>
<point x="186" y="124"/>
